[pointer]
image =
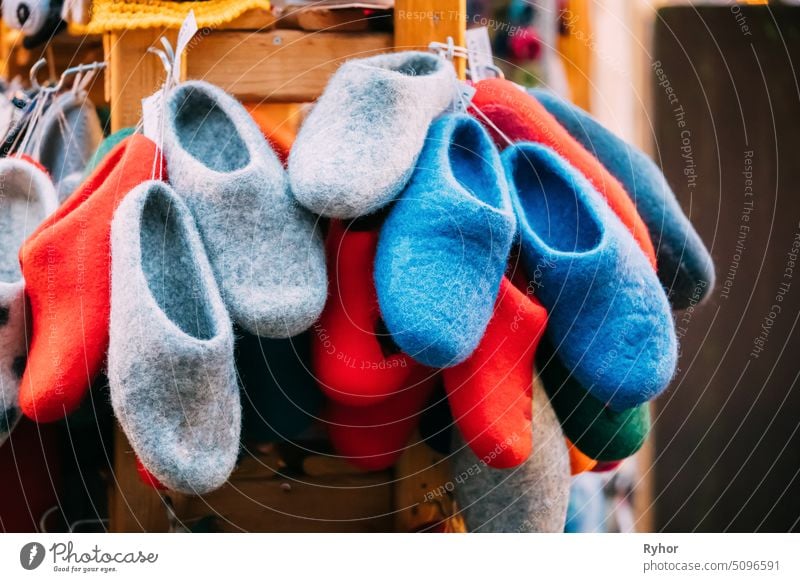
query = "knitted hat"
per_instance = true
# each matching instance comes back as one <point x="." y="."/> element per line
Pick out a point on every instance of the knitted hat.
<point x="108" y="15"/>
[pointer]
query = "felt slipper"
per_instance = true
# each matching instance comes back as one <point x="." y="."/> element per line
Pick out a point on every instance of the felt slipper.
<point x="596" y="430"/>
<point x="105" y="147"/>
<point x="530" y="498"/>
<point x="373" y="437"/>
<point x="685" y="267"/>
<point x="578" y="462"/>
<point x="280" y="396"/>
<point x="67" y="136"/>
<point x="357" y="148"/>
<point x="351" y="353"/>
<point x="520" y="117"/>
<point x="170" y="358"/>
<point x="266" y="250"/>
<point x="27" y="198"/>
<point x="490" y="394"/>
<point x="65" y="263"/>
<point x="609" y="319"/>
<point x="444" y="245"/>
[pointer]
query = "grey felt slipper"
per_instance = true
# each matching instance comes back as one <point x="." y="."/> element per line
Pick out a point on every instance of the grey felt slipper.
<point x="170" y="357"/>
<point x="27" y="196"/>
<point x="530" y="498"/>
<point x="357" y="148"/>
<point x="265" y="249"/>
<point x="68" y="134"/>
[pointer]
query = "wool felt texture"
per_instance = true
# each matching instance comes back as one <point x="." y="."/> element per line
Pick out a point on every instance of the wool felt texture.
<point x="578" y="462"/>
<point x="105" y="147"/>
<point x="280" y="396"/>
<point x="444" y="245"/>
<point x="119" y="15"/>
<point x="521" y="118"/>
<point x="27" y="196"/>
<point x="609" y="318"/>
<point x="598" y="431"/>
<point x="685" y="267"/>
<point x="490" y="394"/>
<point x="170" y="358"/>
<point x="373" y="437"/>
<point x="357" y="148"/>
<point x="65" y="263"/>
<point x="349" y="351"/>
<point x="266" y="251"/>
<point x="530" y="498"/>
<point x="67" y="136"/>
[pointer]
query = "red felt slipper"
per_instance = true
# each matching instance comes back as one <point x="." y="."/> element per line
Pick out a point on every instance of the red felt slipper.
<point x="491" y="393"/>
<point x="66" y="266"/>
<point x="373" y="437"/>
<point x="352" y="355"/>
<point x="522" y="118"/>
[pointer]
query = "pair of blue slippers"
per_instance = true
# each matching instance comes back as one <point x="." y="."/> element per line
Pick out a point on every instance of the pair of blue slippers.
<point x="445" y="243"/>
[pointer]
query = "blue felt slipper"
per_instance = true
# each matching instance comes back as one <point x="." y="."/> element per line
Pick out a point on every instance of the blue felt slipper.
<point x="685" y="267"/>
<point x="443" y="248"/>
<point x="609" y="319"/>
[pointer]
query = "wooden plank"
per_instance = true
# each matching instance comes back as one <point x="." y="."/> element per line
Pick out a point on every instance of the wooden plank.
<point x="132" y="505"/>
<point x="575" y="49"/>
<point x="421" y="475"/>
<point x="417" y="23"/>
<point x="281" y="65"/>
<point x="132" y="72"/>
<point x="335" y="503"/>
<point x="257" y="19"/>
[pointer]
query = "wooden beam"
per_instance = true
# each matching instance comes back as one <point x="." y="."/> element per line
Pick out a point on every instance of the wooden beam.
<point x="417" y="23"/>
<point x="281" y="65"/>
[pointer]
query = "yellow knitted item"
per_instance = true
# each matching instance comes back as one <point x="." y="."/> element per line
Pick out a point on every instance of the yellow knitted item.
<point x="108" y="15"/>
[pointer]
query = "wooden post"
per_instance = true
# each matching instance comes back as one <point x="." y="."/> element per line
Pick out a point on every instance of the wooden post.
<point x="417" y="23"/>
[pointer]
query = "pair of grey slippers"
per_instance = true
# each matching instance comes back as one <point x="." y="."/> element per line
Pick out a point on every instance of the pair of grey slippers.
<point x="27" y="197"/>
<point x="224" y="243"/>
<point x="358" y="147"/>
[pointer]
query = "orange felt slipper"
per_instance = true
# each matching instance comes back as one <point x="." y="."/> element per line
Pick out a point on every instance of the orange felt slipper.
<point x="66" y="266"/>
<point x="491" y="393"/>
<point x="522" y="118"/>
<point x="373" y="437"/>
<point x="578" y="462"/>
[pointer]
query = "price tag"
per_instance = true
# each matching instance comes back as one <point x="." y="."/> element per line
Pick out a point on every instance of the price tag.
<point x="479" y="52"/>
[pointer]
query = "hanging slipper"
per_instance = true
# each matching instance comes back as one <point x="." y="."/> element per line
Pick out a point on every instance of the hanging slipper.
<point x="444" y="246"/>
<point x="67" y="136"/>
<point x="685" y="267"/>
<point x="27" y="198"/>
<point x="530" y="498"/>
<point x="609" y="319"/>
<point x="357" y="148"/>
<point x="170" y="359"/>
<point x="490" y="394"/>
<point x="501" y="105"/>
<point x="595" y="429"/>
<point x="65" y="263"/>
<point x="352" y="355"/>
<point x="373" y="437"/>
<point x="266" y="251"/>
